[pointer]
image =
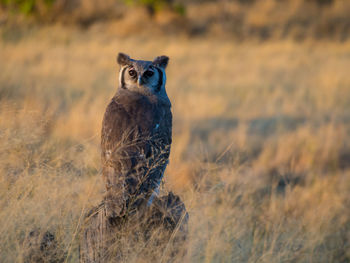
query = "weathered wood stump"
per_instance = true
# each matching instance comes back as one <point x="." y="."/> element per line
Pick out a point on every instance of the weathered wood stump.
<point x="152" y="233"/>
<point x="42" y="247"/>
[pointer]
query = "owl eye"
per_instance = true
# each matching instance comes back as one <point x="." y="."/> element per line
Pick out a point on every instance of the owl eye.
<point x="132" y="73"/>
<point x="149" y="73"/>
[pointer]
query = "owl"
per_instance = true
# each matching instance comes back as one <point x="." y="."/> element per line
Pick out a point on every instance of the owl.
<point x="136" y="135"/>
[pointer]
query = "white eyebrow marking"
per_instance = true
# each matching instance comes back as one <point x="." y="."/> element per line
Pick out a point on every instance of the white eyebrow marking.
<point x="120" y="75"/>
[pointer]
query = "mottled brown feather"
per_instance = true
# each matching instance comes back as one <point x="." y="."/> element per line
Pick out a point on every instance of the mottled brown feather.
<point x="135" y="141"/>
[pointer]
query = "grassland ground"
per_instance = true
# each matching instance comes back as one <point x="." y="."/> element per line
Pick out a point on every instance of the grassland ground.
<point x="260" y="154"/>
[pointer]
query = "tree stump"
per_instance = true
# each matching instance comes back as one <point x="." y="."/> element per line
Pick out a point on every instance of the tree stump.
<point x="42" y="247"/>
<point x="153" y="233"/>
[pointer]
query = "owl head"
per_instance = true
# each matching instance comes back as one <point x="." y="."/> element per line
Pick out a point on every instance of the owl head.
<point x="146" y="77"/>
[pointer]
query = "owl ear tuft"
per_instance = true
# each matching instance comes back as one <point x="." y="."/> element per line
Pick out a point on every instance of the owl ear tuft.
<point x="123" y="59"/>
<point x="161" y="61"/>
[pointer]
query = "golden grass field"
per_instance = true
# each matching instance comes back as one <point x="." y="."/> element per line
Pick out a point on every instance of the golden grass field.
<point x="260" y="153"/>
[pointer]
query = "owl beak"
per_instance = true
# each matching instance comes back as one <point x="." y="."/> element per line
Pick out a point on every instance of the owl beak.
<point x="140" y="81"/>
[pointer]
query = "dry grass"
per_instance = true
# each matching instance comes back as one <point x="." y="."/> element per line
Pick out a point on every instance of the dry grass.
<point x="260" y="153"/>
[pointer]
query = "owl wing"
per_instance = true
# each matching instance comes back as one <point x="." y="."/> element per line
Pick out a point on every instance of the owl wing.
<point x="114" y="126"/>
<point x="161" y="144"/>
<point x="160" y="151"/>
<point x="114" y="123"/>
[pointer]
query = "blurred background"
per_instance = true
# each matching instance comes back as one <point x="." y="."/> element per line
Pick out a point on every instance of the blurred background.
<point x="261" y="134"/>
